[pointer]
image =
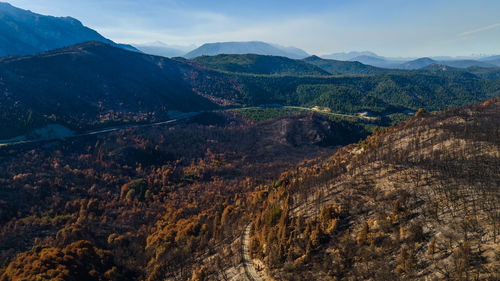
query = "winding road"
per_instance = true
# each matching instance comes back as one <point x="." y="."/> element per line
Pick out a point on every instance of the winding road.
<point x="102" y="131"/>
<point x="176" y="119"/>
<point x="247" y="260"/>
<point x="326" y="113"/>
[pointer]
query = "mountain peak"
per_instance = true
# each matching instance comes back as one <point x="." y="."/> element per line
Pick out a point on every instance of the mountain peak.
<point x="350" y="55"/>
<point x="425" y="59"/>
<point x="23" y="32"/>
<point x="5" y="5"/>
<point x="418" y="63"/>
<point x="260" y="64"/>
<point x="248" y="47"/>
<point x="313" y="58"/>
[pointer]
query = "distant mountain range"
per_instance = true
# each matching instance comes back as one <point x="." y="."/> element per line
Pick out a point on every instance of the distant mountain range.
<point x="161" y="49"/>
<point x="252" y="47"/>
<point x="372" y="59"/>
<point x="23" y="32"/>
<point x="349" y="56"/>
<point x="417" y="64"/>
<point x="376" y="61"/>
<point x="492" y="60"/>
<point x="424" y="62"/>
<point x="467" y="63"/>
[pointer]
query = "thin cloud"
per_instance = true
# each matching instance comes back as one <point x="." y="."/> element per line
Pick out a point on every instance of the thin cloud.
<point x="481" y="29"/>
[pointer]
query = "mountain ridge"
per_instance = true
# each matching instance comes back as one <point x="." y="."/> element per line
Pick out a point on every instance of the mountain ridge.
<point x="23" y="32"/>
<point x="425" y="61"/>
<point x="92" y="84"/>
<point x="349" y="55"/>
<point x="260" y="64"/>
<point x="344" y="67"/>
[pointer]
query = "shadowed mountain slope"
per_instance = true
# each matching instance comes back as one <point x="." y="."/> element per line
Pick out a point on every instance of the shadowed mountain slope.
<point x="92" y="84"/>
<point x="23" y="32"/>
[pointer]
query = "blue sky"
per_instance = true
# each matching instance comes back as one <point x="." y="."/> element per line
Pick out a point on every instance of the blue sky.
<point x="387" y="27"/>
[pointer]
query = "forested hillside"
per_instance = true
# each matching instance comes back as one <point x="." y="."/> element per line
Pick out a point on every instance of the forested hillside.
<point x="195" y="160"/>
<point x="259" y="64"/>
<point x="96" y="85"/>
<point x="346" y="67"/>
<point x="417" y="201"/>
<point x="146" y="203"/>
<point x="377" y="93"/>
<point x="414" y="201"/>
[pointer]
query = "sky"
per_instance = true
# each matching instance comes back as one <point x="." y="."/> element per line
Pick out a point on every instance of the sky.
<point x="393" y="28"/>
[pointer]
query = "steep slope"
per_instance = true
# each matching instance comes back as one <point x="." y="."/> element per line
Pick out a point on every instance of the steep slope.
<point x="93" y="84"/>
<point x="241" y="48"/>
<point x="23" y="32"/>
<point x="345" y="67"/>
<point x="419" y="201"/>
<point x="259" y="64"/>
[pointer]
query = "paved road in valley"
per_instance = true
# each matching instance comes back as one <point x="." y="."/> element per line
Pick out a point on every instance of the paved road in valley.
<point x="326" y="112"/>
<point x="106" y="130"/>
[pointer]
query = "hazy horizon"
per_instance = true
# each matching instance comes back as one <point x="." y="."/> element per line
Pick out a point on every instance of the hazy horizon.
<point x="388" y="27"/>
